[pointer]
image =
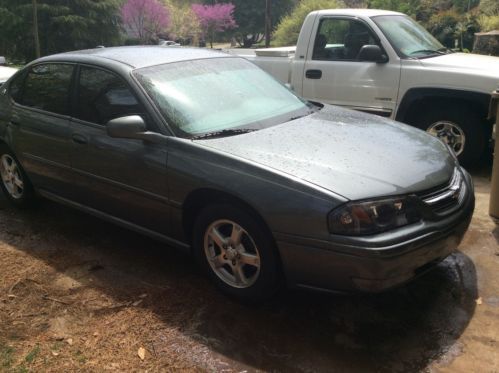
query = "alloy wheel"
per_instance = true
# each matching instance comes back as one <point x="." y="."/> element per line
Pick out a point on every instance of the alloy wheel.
<point x="450" y="133"/>
<point x="232" y="253"/>
<point x="11" y="176"/>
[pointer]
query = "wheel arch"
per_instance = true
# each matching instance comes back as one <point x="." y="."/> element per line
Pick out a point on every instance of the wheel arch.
<point x="415" y="97"/>
<point x="198" y="199"/>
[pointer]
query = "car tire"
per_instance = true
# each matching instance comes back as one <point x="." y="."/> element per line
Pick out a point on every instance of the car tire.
<point x="453" y="124"/>
<point x="15" y="184"/>
<point x="237" y="253"/>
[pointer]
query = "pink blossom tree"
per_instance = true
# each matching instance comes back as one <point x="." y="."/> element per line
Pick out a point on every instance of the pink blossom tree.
<point x="214" y="18"/>
<point x="145" y="18"/>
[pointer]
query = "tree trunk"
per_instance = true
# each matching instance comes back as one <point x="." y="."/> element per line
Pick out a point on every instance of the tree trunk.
<point x="35" y="29"/>
<point x="268" y="22"/>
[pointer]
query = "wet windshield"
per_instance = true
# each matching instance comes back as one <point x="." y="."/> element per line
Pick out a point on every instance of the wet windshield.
<point x="409" y="38"/>
<point x="219" y="96"/>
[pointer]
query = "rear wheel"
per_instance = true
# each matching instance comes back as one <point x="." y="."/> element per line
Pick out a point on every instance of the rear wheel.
<point x="236" y="252"/>
<point x="458" y="126"/>
<point x="15" y="184"/>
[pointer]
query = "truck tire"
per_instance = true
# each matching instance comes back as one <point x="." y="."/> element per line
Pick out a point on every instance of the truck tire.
<point x="458" y="126"/>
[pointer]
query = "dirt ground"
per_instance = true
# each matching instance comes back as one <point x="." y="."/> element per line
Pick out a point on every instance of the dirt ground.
<point x="79" y="294"/>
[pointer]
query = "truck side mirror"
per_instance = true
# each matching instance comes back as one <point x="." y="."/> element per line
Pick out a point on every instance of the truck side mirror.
<point x="372" y="53"/>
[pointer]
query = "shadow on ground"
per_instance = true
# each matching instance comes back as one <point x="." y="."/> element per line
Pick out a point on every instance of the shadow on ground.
<point x="402" y="330"/>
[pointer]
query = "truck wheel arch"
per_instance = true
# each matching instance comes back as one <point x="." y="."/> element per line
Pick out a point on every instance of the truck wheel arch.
<point x="464" y="111"/>
<point x="408" y="108"/>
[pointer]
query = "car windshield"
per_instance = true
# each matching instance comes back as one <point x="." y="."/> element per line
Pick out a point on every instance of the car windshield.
<point x="221" y="96"/>
<point x="409" y="38"/>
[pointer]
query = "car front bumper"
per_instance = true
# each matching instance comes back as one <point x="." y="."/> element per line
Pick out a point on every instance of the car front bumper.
<point x="373" y="264"/>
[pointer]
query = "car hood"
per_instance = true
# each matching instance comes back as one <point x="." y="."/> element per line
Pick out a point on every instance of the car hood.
<point x="349" y="153"/>
<point x="467" y="62"/>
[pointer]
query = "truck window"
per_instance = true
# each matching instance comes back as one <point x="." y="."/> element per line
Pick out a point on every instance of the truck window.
<point x="340" y="39"/>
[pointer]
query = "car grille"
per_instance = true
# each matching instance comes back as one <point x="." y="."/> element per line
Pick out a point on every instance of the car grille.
<point x="448" y="198"/>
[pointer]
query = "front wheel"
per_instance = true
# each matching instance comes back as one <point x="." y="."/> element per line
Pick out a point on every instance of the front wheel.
<point x="458" y="126"/>
<point x="236" y="252"/>
<point x="15" y="184"/>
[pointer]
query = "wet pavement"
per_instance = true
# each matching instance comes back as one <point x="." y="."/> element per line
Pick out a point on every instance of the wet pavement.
<point x="113" y="291"/>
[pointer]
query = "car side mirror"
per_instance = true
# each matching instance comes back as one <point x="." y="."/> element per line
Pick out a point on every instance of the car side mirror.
<point x="372" y="53"/>
<point x="133" y="127"/>
<point x="130" y="127"/>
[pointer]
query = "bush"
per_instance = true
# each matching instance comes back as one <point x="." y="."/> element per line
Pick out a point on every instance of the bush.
<point x="488" y="23"/>
<point x="448" y="26"/>
<point x="443" y="25"/>
<point x="288" y="29"/>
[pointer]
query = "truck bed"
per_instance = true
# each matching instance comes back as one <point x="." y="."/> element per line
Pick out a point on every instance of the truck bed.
<point x="275" y="61"/>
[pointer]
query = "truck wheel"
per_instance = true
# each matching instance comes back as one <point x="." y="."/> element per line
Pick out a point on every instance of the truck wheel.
<point x="460" y="127"/>
<point x="236" y="252"/>
<point x="15" y="184"/>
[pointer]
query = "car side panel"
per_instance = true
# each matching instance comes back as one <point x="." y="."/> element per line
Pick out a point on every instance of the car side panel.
<point x="192" y="166"/>
<point x="40" y="141"/>
<point x="125" y="178"/>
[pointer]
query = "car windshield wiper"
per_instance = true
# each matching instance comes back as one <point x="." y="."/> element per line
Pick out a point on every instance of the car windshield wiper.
<point x="304" y="115"/>
<point x="431" y="51"/>
<point x="223" y="133"/>
<point x="446" y="50"/>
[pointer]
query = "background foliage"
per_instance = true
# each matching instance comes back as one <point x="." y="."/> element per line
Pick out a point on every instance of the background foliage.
<point x="289" y="28"/>
<point x="63" y="26"/>
<point x="77" y="24"/>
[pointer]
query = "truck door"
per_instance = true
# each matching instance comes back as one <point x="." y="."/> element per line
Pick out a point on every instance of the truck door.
<point x="335" y="75"/>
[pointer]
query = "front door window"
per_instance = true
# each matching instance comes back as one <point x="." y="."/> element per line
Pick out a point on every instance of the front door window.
<point x="341" y="39"/>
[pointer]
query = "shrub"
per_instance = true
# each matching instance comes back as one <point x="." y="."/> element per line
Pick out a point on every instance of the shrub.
<point x="488" y="23"/>
<point x="288" y="29"/>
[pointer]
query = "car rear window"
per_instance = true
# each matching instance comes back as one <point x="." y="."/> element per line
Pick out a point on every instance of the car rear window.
<point x="47" y="88"/>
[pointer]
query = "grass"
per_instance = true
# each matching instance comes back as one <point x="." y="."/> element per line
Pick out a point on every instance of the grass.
<point x="80" y="357"/>
<point x="6" y="356"/>
<point x="31" y="356"/>
<point x="7" y="359"/>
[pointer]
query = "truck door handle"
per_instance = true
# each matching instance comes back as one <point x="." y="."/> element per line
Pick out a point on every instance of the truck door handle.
<point x="79" y="139"/>
<point x="313" y="74"/>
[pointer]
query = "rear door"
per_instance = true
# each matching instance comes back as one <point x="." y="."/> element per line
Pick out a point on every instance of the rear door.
<point x="40" y="124"/>
<point x="124" y="178"/>
<point x="335" y="75"/>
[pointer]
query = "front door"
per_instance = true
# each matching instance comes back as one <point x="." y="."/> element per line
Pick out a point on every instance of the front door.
<point x="124" y="178"/>
<point x="335" y="75"/>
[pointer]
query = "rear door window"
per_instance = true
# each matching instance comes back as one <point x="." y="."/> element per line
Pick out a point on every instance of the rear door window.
<point x="46" y="87"/>
<point x="15" y="88"/>
<point x="103" y="96"/>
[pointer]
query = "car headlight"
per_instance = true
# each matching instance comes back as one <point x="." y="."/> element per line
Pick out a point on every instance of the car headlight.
<point x="370" y="217"/>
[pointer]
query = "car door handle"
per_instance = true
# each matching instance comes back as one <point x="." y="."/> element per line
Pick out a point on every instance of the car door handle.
<point x="79" y="139"/>
<point x="313" y="74"/>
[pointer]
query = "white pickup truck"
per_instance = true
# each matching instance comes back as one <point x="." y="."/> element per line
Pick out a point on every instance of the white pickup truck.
<point x="6" y="73"/>
<point x="385" y="63"/>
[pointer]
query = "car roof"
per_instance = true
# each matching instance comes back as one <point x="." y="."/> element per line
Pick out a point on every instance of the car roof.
<point x="136" y="56"/>
<point x="359" y="12"/>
